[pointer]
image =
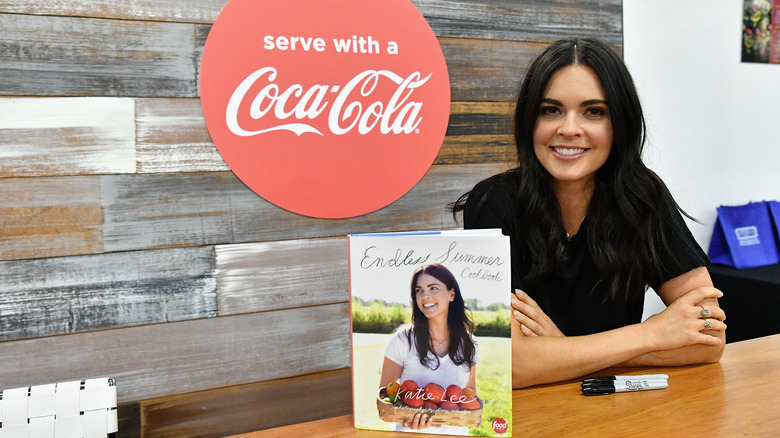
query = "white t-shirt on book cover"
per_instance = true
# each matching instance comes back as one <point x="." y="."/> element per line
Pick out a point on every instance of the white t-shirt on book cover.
<point x="399" y="351"/>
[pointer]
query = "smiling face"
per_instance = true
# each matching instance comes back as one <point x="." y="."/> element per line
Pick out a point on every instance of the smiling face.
<point x="432" y="296"/>
<point x="573" y="132"/>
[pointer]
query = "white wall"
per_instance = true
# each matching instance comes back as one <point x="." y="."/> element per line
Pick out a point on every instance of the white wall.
<point x="713" y="121"/>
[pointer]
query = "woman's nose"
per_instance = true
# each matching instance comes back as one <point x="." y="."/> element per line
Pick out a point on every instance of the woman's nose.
<point x="570" y="126"/>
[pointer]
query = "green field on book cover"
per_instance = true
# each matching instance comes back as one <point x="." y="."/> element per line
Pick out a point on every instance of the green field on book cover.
<point x="442" y="296"/>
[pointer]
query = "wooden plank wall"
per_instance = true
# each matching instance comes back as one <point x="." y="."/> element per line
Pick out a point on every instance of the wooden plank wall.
<point x="128" y="248"/>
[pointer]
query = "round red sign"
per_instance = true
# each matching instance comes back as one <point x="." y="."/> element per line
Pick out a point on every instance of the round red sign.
<point x="330" y="108"/>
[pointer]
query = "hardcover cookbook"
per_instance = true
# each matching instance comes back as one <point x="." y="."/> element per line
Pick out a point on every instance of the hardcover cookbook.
<point x="431" y="345"/>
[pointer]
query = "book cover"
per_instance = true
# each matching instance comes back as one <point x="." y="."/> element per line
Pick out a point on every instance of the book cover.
<point x="442" y="296"/>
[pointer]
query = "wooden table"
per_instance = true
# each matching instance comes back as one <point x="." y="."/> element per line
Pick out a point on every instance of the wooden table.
<point x="739" y="396"/>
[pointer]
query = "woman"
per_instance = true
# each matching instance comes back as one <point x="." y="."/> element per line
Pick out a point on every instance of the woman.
<point x="438" y="347"/>
<point x="591" y="227"/>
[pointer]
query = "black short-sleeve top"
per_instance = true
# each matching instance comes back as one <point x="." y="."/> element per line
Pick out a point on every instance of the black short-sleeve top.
<point x="573" y="299"/>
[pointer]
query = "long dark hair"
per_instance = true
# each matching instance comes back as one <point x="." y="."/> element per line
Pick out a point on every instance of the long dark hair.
<point x="623" y="233"/>
<point x="462" y="349"/>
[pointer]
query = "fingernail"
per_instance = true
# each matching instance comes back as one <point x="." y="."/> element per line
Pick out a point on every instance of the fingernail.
<point x="517" y="314"/>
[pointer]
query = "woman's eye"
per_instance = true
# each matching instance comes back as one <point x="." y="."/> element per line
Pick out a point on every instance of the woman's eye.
<point x="549" y="111"/>
<point x="596" y="112"/>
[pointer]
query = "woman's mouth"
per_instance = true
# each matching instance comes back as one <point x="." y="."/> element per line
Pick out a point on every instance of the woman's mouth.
<point x="428" y="305"/>
<point x="568" y="153"/>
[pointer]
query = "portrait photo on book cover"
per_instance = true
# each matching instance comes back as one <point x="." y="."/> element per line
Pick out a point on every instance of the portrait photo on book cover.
<point x="430" y="333"/>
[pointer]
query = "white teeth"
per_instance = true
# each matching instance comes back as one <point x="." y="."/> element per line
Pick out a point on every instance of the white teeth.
<point x="429" y="305"/>
<point x="569" y="151"/>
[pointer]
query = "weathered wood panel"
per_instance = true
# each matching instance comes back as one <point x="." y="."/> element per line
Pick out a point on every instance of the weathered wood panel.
<point x="526" y="20"/>
<point x="249" y="408"/>
<point x="172" y="136"/>
<point x="479" y="132"/>
<point x="480" y="119"/>
<point x="49" y="217"/>
<point x="530" y="20"/>
<point x="129" y="419"/>
<point x="256" y="277"/>
<point x="81" y="56"/>
<point x="68" y="56"/>
<point x="478" y="149"/>
<point x="66" y="136"/>
<point x="161" y="210"/>
<point x="194" y="11"/>
<point x="180" y="357"/>
<point x="486" y="69"/>
<point x="54" y="296"/>
<point x="201" y="34"/>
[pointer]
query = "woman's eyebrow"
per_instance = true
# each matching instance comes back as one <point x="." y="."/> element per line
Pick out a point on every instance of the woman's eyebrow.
<point x="594" y="102"/>
<point x="584" y="103"/>
<point x="431" y="284"/>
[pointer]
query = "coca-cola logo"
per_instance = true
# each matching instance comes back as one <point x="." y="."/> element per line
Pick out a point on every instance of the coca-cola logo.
<point x="399" y="115"/>
<point x="330" y="108"/>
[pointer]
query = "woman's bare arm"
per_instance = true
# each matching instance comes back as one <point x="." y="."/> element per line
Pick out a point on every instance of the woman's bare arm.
<point x="697" y="353"/>
<point x="673" y="337"/>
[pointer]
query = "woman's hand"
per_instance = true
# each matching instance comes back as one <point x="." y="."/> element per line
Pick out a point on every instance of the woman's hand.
<point x="693" y="318"/>
<point x="533" y="321"/>
<point x="710" y="308"/>
<point x="420" y="421"/>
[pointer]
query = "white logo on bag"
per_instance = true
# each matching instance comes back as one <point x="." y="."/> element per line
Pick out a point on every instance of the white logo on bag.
<point x="747" y="236"/>
<point x="398" y="115"/>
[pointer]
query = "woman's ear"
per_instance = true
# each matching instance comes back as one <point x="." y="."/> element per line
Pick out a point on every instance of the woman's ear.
<point x="452" y="295"/>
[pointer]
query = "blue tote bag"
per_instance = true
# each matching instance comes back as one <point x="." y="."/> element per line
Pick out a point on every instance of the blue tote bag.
<point x="744" y="236"/>
<point x="774" y="210"/>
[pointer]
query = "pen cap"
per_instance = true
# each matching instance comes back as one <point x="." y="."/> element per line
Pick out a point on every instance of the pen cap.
<point x="598" y="390"/>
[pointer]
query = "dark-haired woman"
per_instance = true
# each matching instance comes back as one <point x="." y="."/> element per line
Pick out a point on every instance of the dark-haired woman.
<point x="438" y="346"/>
<point x="591" y="227"/>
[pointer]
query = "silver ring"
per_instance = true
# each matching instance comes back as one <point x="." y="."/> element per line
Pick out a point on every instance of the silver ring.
<point x="705" y="311"/>
<point x="707" y="324"/>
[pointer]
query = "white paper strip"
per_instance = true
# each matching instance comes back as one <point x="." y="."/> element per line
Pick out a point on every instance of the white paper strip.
<point x="42" y="401"/>
<point x="97" y="394"/>
<point x="42" y="427"/>
<point x="68" y="399"/>
<point x="69" y="427"/>
<point x="15" y="431"/>
<point x="95" y="424"/>
<point x="112" y="421"/>
<point x="15" y="407"/>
